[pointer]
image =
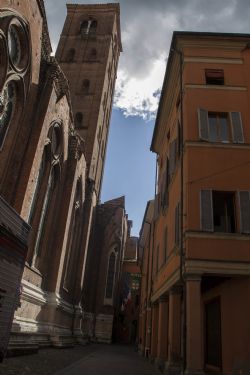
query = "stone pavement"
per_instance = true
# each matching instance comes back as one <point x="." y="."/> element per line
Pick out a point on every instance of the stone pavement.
<point x="94" y="359"/>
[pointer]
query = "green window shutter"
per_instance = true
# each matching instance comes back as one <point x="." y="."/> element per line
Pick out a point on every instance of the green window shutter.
<point x="244" y="198"/>
<point x="237" y="130"/>
<point x="203" y="124"/>
<point x="172" y="157"/>
<point x="163" y="186"/>
<point x="207" y="222"/>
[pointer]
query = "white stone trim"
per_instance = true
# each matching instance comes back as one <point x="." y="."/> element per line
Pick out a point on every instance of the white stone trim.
<point x="33" y="294"/>
<point x="216" y="87"/>
<point x="26" y="325"/>
<point x="54" y="299"/>
<point x="211" y="267"/>
<point x="212" y="60"/>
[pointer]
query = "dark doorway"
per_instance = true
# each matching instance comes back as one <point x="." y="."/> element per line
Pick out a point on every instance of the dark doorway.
<point x="213" y="333"/>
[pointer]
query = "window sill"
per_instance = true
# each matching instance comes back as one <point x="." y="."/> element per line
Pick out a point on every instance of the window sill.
<point x="217" y="235"/>
<point x="201" y="143"/>
<point x="215" y="87"/>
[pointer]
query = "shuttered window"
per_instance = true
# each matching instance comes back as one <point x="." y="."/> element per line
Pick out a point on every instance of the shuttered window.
<point x="177" y="224"/>
<point x="172" y="157"/>
<point x="237" y="130"/>
<point x="218" y="211"/>
<point x="157" y="258"/>
<point x="164" y="185"/>
<point x="203" y="124"/>
<point x="244" y="198"/>
<point x="220" y="126"/>
<point x="207" y="224"/>
<point x="165" y="244"/>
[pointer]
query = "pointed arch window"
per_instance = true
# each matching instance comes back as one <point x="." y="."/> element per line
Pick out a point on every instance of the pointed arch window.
<point x="8" y="98"/>
<point x="43" y="199"/>
<point x="44" y="213"/>
<point x="38" y="182"/>
<point x="84" y="27"/>
<point x="74" y="237"/>
<point x="93" y="27"/>
<point x="110" y="276"/>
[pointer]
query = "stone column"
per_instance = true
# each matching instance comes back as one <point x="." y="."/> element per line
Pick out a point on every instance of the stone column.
<point x="194" y="352"/>
<point x="148" y="332"/>
<point x="162" y="347"/>
<point x="173" y="365"/>
<point x="154" y="331"/>
<point x="142" y="338"/>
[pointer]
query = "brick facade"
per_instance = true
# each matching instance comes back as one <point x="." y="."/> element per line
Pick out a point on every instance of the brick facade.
<point x="51" y="166"/>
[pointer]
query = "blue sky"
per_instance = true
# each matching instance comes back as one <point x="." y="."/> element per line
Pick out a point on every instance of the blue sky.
<point x="130" y="166"/>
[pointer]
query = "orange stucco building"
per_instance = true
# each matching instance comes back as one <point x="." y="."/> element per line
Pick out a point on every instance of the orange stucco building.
<point x="194" y="302"/>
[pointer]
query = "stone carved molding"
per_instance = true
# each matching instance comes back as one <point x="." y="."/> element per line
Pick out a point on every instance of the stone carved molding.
<point x="76" y="147"/>
<point x="15" y="61"/>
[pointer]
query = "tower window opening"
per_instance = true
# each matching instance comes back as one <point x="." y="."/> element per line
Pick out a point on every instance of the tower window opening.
<point x="84" y="29"/>
<point x="85" y="86"/>
<point x="79" y="120"/>
<point x="93" y="27"/>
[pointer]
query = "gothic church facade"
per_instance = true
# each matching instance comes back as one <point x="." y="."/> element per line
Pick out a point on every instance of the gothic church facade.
<point x="54" y="123"/>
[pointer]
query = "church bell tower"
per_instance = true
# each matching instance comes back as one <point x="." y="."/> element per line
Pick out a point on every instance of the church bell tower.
<point x="88" y="52"/>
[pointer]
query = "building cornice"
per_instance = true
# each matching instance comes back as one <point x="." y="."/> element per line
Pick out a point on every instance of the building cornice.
<point x="211" y="267"/>
<point x="169" y="282"/>
<point x="217" y="236"/>
<point x="213" y="145"/>
<point x="212" y="60"/>
<point x="215" y="87"/>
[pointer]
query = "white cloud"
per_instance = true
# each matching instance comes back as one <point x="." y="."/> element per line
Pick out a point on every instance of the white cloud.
<point x="146" y="28"/>
<point x="140" y="96"/>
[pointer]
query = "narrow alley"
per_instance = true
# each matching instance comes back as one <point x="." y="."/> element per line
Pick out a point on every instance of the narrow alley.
<point x="95" y="359"/>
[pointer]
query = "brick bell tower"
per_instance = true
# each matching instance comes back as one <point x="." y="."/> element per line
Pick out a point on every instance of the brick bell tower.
<point x="88" y="52"/>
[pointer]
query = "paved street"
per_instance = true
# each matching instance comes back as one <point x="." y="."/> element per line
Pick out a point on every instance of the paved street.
<point x="90" y="360"/>
<point x="109" y="360"/>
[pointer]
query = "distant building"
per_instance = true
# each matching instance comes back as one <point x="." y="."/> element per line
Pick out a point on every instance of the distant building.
<point x="196" y="276"/>
<point x="105" y="270"/>
<point x="127" y="314"/>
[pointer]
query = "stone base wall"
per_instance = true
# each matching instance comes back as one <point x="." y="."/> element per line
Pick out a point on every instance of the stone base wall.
<point x="104" y="328"/>
<point x="98" y="328"/>
<point x="44" y="319"/>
